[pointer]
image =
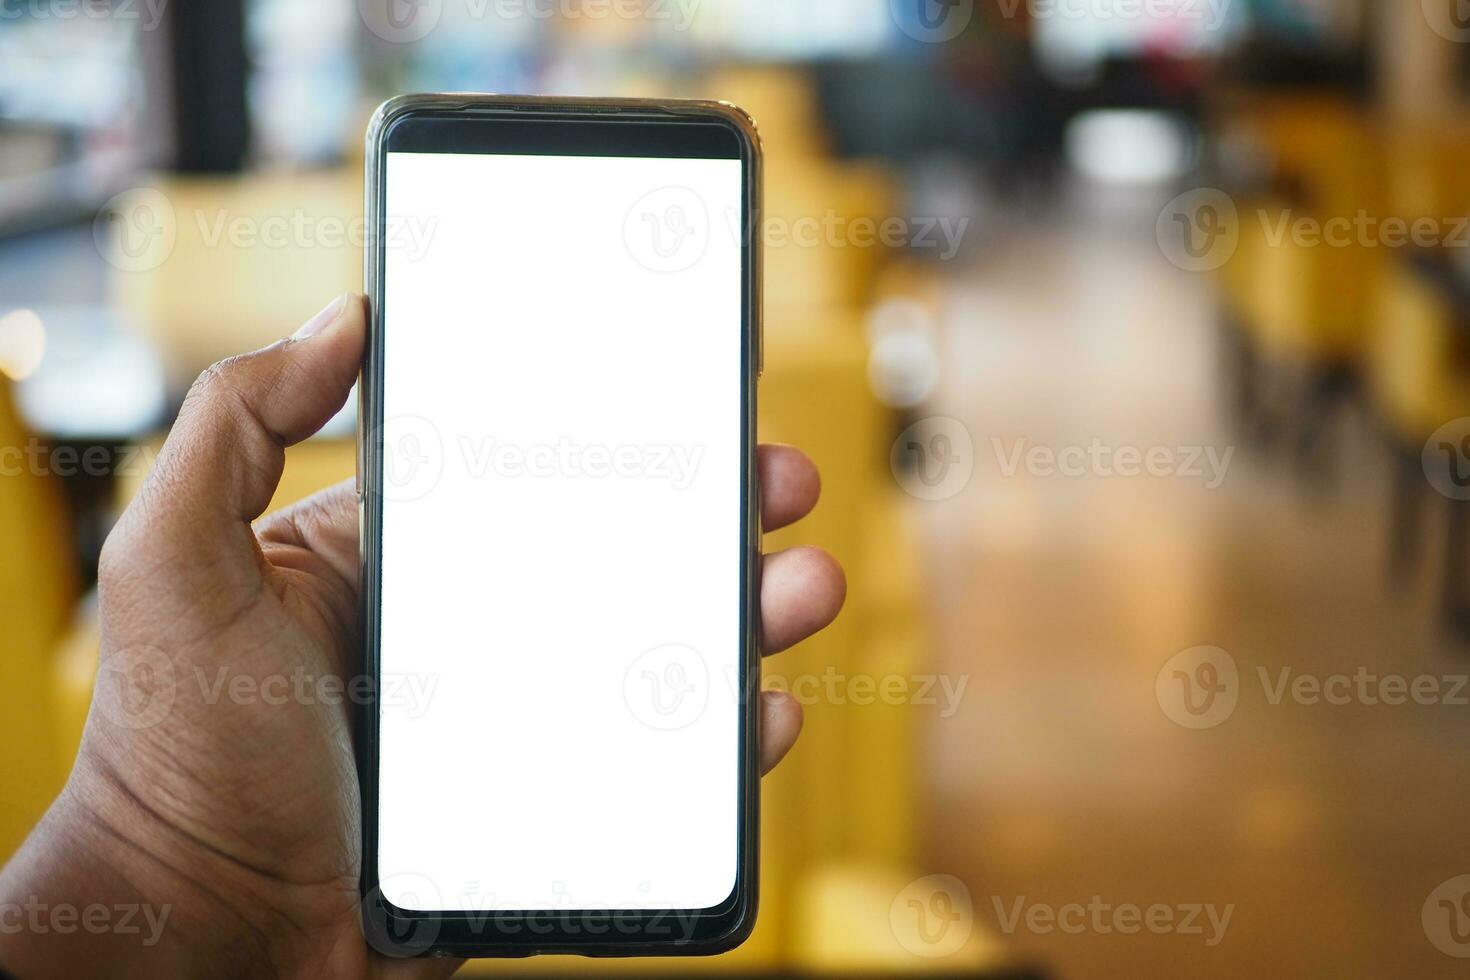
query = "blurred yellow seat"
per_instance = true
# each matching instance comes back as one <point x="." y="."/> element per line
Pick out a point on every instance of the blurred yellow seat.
<point x="253" y="258"/>
<point x="824" y="218"/>
<point x="1418" y="378"/>
<point x="1420" y="382"/>
<point x="1427" y="172"/>
<point x="828" y="228"/>
<point x="860" y="921"/>
<point x="782" y="101"/>
<point x="37" y="594"/>
<point x="1302" y="297"/>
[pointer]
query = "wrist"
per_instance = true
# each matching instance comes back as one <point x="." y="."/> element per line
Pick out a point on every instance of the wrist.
<point x="101" y="879"/>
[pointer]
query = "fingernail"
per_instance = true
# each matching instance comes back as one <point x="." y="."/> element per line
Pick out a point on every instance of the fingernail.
<point x="322" y="320"/>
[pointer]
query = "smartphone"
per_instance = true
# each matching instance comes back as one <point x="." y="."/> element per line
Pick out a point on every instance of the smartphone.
<point x="560" y="536"/>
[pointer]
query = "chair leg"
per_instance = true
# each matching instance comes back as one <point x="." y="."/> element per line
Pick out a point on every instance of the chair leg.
<point x="1324" y="391"/>
<point x="1264" y="422"/>
<point x="1238" y="374"/>
<point x="1454" y="604"/>
<point x="1406" y="517"/>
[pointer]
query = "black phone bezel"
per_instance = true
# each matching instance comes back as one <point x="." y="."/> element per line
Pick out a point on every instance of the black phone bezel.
<point x="590" y="127"/>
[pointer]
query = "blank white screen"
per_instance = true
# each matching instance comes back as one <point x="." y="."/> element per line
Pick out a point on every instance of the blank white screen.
<point x="560" y="647"/>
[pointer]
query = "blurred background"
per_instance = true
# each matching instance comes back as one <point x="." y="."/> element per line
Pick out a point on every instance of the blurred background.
<point x="1132" y="338"/>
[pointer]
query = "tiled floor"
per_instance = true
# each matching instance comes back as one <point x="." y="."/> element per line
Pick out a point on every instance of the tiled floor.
<point x="1061" y="779"/>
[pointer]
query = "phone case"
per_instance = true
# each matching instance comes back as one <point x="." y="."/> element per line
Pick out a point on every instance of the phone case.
<point x="389" y="930"/>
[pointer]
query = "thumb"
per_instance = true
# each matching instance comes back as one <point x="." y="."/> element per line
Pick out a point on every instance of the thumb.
<point x="223" y="458"/>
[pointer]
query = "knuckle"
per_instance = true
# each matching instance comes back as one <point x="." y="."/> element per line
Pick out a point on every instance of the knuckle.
<point x="113" y="559"/>
<point x="220" y="377"/>
<point x="236" y="387"/>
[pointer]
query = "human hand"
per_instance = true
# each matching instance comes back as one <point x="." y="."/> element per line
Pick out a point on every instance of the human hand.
<point x="240" y="815"/>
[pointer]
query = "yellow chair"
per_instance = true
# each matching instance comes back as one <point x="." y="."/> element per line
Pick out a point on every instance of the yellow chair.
<point x="1312" y="300"/>
<point x="1303" y="280"/>
<point x="1419" y="372"/>
<point x="1427" y="176"/>
<point x="38" y="585"/>
<point x="823" y="217"/>
<point x="1414" y="376"/>
<point x="1419" y="383"/>
<point x="826" y="225"/>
